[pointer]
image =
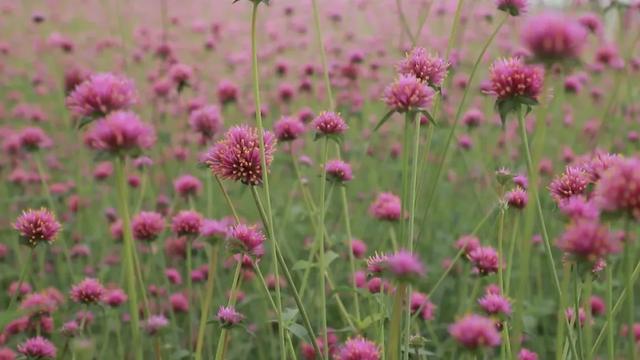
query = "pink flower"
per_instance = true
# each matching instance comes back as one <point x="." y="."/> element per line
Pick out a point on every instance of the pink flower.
<point x="228" y="316"/>
<point x="207" y="121"/>
<point x="237" y="156"/>
<point x="248" y="239"/>
<point x="120" y="132"/>
<point x="338" y="171"/>
<point x="427" y="68"/>
<point x="467" y="242"/>
<point x="517" y="198"/>
<point x="181" y="75"/>
<point x="408" y="93"/>
<point x="155" y="324"/>
<point x="588" y="240"/>
<point x="358" y="349"/>
<point x="619" y="188"/>
<point x="88" y="291"/>
<point x="37" y="226"/>
<point x="485" y="260"/>
<point x="526" y="354"/>
<point x="38" y="304"/>
<point x="179" y="303"/>
<point x="147" y="225"/>
<point x="572" y="182"/>
<point x="37" y="348"/>
<point x="329" y="123"/>
<point x="187" y="223"/>
<point x="421" y="303"/>
<point x="114" y="297"/>
<point x="495" y="304"/>
<point x="386" y="207"/>
<point x="475" y="331"/>
<point x="404" y="265"/>
<point x="227" y="92"/>
<point x="513" y="7"/>
<point x="288" y="128"/>
<point x="553" y="36"/>
<point x="358" y="248"/>
<point x="577" y="208"/>
<point x="187" y="185"/>
<point x="512" y="77"/>
<point x="34" y="138"/>
<point x="101" y="95"/>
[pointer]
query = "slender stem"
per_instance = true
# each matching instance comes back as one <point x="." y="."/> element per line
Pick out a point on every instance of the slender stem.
<point x="352" y="263"/>
<point x="500" y="249"/>
<point x="129" y="249"/>
<point x="23" y="274"/>
<point x="405" y="24"/>
<point x="629" y="255"/>
<point x="224" y="334"/>
<point x="228" y="200"/>
<point x="609" y="325"/>
<point x="576" y="311"/>
<point x="208" y="297"/>
<point x="405" y="177"/>
<point x="586" y="305"/>
<point x="320" y="241"/>
<point x="323" y="55"/>
<point x="393" y="351"/>
<point x="188" y="269"/>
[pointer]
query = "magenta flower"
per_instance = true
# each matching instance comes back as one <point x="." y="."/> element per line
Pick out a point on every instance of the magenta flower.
<point x="517" y="198"/>
<point x="227" y="92"/>
<point x="588" y="240"/>
<point x="475" y="331"/>
<point x="214" y="230"/>
<point x="120" y="132"/>
<point x="288" y="128"/>
<point x="34" y="138"/>
<point x="147" y="225"/>
<point x="237" y="156"/>
<point x="572" y="182"/>
<point x="329" y="123"/>
<point x="618" y="190"/>
<point x="181" y="75"/>
<point x="427" y="68"/>
<point x="408" y="93"/>
<point x="358" y="349"/>
<point x="187" y="186"/>
<point x="155" y="324"/>
<point x="513" y="78"/>
<point x="513" y="7"/>
<point x="338" y="171"/>
<point x="87" y="291"/>
<point x="228" y="316"/>
<point x="554" y="37"/>
<point x="526" y="354"/>
<point x="37" y="348"/>
<point x="577" y="207"/>
<point x="494" y="304"/>
<point x="187" y="223"/>
<point x="207" y="121"/>
<point x="114" y="297"/>
<point x="37" y="226"/>
<point x="467" y="242"/>
<point x="248" y="239"/>
<point x="38" y="304"/>
<point x="420" y="303"/>
<point x="386" y="207"/>
<point x="485" y="260"/>
<point x="101" y="95"/>
<point x="404" y="265"/>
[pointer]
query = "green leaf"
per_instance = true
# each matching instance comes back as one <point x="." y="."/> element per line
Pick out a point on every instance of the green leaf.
<point x="84" y="122"/>
<point x="302" y="265"/>
<point x="180" y="354"/>
<point x="384" y="119"/>
<point x="289" y="314"/>
<point x="299" y="331"/>
<point x="329" y="257"/>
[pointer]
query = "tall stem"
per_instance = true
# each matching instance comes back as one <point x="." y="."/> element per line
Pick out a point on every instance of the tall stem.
<point x="320" y="241"/>
<point x="352" y="263"/>
<point x="188" y="269"/>
<point x="129" y="249"/>
<point x="628" y="272"/>
<point x="393" y="351"/>
<point x="586" y="305"/>
<point x="609" y="325"/>
<point x="224" y="334"/>
<point x="208" y="297"/>
<point x="323" y="55"/>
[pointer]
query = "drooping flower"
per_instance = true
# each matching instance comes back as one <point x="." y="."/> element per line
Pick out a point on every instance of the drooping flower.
<point x="87" y="291"/>
<point x="102" y="94"/>
<point x="288" y="128"/>
<point x="429" y="69"/>
<point x="237" y="156"/>
<point x="386" y="207"/>
<point x="207" y="121"/>
<point x="475" y="331"/>
<point x="408" y="93"/>
<point x="37" y="348"/>
<point x="120" y="132"/>
<point x="553" y="36"/>
<point x="248" y="239"/>
<point x="147" y="225"/>
<point x="228" y="316"/>
<point x="358" y="349"/>
<point x="37" y="226"/>
<point x="338" y="171"/>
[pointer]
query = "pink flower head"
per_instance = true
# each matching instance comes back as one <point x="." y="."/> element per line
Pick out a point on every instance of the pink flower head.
<point x="173" y="276"/>
<point x="513" y="7"/>
<point x="228" y="316"/>
<point x="404" y="265"/>
<point x="214" y="230"/>
<point x="237" y="156"/>
<point x="227" y="92"/>
<point x="120" y="132"/>
<point x="187" y="186"/>
<point x="179" y="302"/>
<point x="427" y="68"/>
<point x="37" y="348"/>
<point x="100" y="95"/>
<point x="87" y="291"/>
<point x="114" y="297"/>
<point x="475" y="331"/>
<point x="421" y="303"/>
<point x="187" y="223"/>
<point x="494" y="304"/>
<point x="155" y="324"/>
<point x="517" y="198"/>
<point x="618" y="190"/>
<point x="38" y="304"/>
<point x="248" y="239"/>
<point x="329" y="123"/>
<point x="598" y="165"/>
<point x="34" y="138"/>
<point x="288" y="128"/>
<point x="207" y="121"/>
<point x="37" y="226"/>
<point x="358" y="349"/>
<point x="358" y="248"/>
<point x="577" y="208"/>
<point x="597" y="305"/>
<point x="588" y="240"/>
<point x="147" y="225"/>
<point x="553" y="36"/>
<point x="386" y="207"/>
<point x="572" y="182"/>
<point x="570" y="314"/>
<point x="485" y="260"/>
<point x="512" y="78"/>
<point x="181" y="75"/>
<point x="467" y="242"/>
<point x="376" y="263"/>
<point x="408" y="93"/>
<point x="526" y="354"/>
<point x="338" y="171"/>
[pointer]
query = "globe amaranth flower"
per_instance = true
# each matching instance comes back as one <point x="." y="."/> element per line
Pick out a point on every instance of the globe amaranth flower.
<point x="248" y="239"/>
<point x="237" y="156"/>
<point x="215" y="230"/>
<point x="87" y="291"/>
<point x="37" y="348"/>
<point x="526" y="354"/>
<point x="427" y="68"/>
<point x="494" y="304"/>
<point x="329" y="124"/>
<point x="37" y="226"/>
<point x="553" y="36"/>
<point x="578" y="208"/>
<point x="34" y="138"/>
<point x="572" y="182"/>
<point x="120" y="132"/>
<point x="358" y="349"/>
<point x="147" y="225"/>
<point x="288" y="128"/>
<point x="517" y="198"/>
<point x="114" y="297"/>
<point x="228" y="316"/>
<point x="408" y="93"/>
<point x="475" y="331"/>
<point x="420" y="303"/>
<point x="404" y="265"/>
<point x="513" y="7"/>
<point x="207" y="121"/>
<point x="386" y="207"/>
<point x="227" y="92"/>
<point x="485" y="260"/>
<point x="338" y="171"/>
<point x="181" y="75"/>
<point x="618" y="189"/>
<point x="155" y="324"/>
<point x="187" y="186"/>
<point x="588" y="240"/>
<point x="102" y="94"/>
<point x="187" y="223"/>
<point x="513" y="78"/>
<point x="38" y="304"/>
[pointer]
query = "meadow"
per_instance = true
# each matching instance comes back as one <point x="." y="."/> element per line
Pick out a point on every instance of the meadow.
<point x="335" y="179"/>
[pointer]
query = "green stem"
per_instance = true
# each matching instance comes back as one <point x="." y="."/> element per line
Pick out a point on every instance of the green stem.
<point x="576" y="311"/>
<point x="629" y="255"/>
<point x="188" y="269"/>
<point x="586" y="304"/>
<point x="224" y="334"/>
<point x="323" y="55"/>
<point x="352" y="263"/>
<point x="500" y="251"/>
<point x="609" y="326"/>
<point x="208" y="297"/>
<point x="393" y="351"/>
<point x="321" y="244"/>
<point x="23" y="274"/>
<point x="129" y="249"/>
